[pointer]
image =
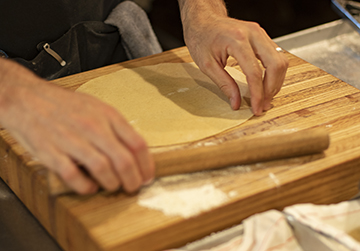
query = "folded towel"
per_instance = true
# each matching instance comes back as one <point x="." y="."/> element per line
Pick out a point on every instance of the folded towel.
<point x="138" y="37"/>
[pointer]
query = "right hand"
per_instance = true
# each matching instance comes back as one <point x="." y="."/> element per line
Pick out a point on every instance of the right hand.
<point x="212" y="37"/>
<point x="64" y="129"/>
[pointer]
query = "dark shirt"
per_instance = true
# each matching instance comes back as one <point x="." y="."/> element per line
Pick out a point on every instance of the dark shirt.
<point x="26" y="23"/>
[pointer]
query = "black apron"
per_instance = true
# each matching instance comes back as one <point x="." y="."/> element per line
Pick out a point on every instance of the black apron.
<point x="59" y="37"/>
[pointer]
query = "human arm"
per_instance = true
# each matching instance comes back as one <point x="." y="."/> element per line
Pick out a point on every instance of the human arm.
<point x="211" y="37"/>
<point x="64" y="130"/>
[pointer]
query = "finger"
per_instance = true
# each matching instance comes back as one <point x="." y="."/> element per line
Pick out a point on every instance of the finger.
<point x="273" y="80"/>
<point x="100" y="168"/>
<point x="122" y="164"/>
<point x="224" y="81"/>
<point x="68" y="171"/>
<point x="116" y="148"/>
<point x="117" y="168"/>
<point x="275" y="65"/>
<point x="248" y="62"/>
<point x="128" y="170"/>
<point x="92" y="158"/>
<point x="137" y="147"/>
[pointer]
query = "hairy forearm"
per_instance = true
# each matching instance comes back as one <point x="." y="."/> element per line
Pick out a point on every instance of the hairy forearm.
<point x="6" y="70"/>
<point x="15" y="83"/>
<point x="199" y="10"/>
<point x="198" y="14"/>
<point x="11" y="77"/>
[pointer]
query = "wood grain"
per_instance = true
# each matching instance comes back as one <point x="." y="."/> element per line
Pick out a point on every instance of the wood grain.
<point x="310" y="98"/>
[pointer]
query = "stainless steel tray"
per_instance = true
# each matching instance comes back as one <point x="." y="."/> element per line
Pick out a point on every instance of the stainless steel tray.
<point x="348" y="9"/>
<point x="333" y="47"/>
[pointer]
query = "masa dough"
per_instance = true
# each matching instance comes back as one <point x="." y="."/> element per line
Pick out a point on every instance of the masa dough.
<point x="170" y="103"/>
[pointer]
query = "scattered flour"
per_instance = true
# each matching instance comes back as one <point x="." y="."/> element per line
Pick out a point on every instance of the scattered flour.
<point x="188" y="195"/>
<point x="185" y="202"/>
<point x="178" y="91"/>
<point x="233" y="194"/>
<point x="183" y="90"/>
<point x="275" y="179"/>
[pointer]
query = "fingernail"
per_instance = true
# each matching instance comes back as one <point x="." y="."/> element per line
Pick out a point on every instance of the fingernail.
<point x="257" y="112"/>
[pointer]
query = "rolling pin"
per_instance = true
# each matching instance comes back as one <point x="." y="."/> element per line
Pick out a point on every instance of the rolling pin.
<point x="235" y="152"/>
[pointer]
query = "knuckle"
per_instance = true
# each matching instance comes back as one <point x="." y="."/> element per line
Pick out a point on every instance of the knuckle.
<point x="255" y="76"/>
<point x="282" y="64"/>
<point x="126" y="164"/>
<point x="99" y="165"/>
<point x="225" y="88"/>
<point x="278" y="67"/>
<point x="255" y="26"/>
<point x="88" y="123"/>
<point x="138" y="145"/>
<point x="240" y="35"/>
<point x="110" y="111"/>
<point x="69" y="174"/>
<point x="250" y="27"/>
<point x="205" y="66"/>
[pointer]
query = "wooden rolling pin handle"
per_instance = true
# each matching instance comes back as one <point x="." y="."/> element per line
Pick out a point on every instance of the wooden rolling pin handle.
<point x="236" y="152"/>
<point x="242" y="151"/>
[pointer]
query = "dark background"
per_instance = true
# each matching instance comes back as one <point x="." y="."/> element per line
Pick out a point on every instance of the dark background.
<point x="277" y="17"/>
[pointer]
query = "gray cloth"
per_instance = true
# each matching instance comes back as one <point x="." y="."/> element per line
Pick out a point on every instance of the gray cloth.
<point x="138" y="37"/>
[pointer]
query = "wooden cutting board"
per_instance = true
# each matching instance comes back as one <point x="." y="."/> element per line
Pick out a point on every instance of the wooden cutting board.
<point x="310" y="98"/>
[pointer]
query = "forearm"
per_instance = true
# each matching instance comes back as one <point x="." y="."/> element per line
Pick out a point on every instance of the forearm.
<point x="190" y="7"/>
<point x="62" y="128"/>
<point x="15" y="80"/>
<point x="195" y="11"/>
<point x="6" y="71"/>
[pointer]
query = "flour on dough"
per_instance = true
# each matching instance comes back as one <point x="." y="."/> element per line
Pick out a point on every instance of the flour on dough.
<point x="170" y="103"/>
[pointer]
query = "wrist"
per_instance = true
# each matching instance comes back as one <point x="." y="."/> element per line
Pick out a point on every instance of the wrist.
<point x="194" y="12"/>
<point x="201" y="8"/>
<point x="198" y="15"/>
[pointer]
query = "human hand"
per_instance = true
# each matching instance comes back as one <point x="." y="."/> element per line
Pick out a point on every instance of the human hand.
<point x="213" y="39"/>
<point x="65" y="130"/>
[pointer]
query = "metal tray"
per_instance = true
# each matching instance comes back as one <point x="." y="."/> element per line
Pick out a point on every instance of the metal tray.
<point x="348" y="9"/>
<point x="333" y="47"/>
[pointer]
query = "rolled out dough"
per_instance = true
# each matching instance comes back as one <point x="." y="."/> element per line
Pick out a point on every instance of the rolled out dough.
<point x="170" y="103"/>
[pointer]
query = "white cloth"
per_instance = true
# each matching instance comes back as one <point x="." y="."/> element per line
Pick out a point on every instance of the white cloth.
<point x="318" y="228"/>
<point x="335" y="223"/>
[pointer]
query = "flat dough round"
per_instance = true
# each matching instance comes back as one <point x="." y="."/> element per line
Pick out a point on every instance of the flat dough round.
<point x="170" y="103"/>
